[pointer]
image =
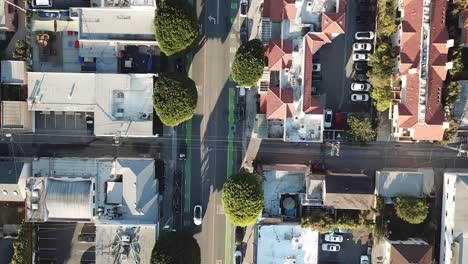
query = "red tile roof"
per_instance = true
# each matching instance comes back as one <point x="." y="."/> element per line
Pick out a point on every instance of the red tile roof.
<point x="279" y="103"/>
<point x="333" y="23"/>
<point x="410" y="57"/>
<point x="279" y="54"/>
<point x="313" y="42"/>
<point x="277" y="10"/>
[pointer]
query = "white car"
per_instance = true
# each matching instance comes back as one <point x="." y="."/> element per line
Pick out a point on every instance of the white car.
<point x="41" y="3"/>
<point x="361" y="57"/>
<point x="364" y="260"/>
<point x="334" y="238"/>
<point x="362" y="46"/>
<point x="197" y="215"/>
<point x="328" y="118"/>
<point x="364" y="35"/>
<point x="359" y="97"/>
<point x="330" y="247"/>
<point x="360" y="87"/>
<point x="244" y="8"/>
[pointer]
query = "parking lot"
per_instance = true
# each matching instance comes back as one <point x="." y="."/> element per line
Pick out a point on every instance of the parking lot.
<point x="58" y="243"/>
<point x="77" y="123"/>
<point x="337" y="64"/>
<point x="353" y="246"/>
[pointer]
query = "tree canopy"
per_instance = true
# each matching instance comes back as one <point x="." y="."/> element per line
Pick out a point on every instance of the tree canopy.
<point x="360" y="131"/>
<point x="386" y="25"/>
<point x="242" y="198"/>
<point x="381" y="69"/>
<point x="248" y="64"/>
<point x="175" y="98"/>
<point x="176" y="248"/>
<point x="176" y="26"/>
<point x="21" y="50"/>
<point x="411" y="209"/>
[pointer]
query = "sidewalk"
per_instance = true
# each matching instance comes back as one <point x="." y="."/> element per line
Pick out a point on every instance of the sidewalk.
<point x="384" y="129"/>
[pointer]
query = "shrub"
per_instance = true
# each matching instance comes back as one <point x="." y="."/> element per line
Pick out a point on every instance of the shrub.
<point x="248" y="64"/>
<point x="176" y="248"/>
<point x="386" y="25"/>
<point x="360" y="131"/>
<point x="451" y="132"/>
<point x="22" y="247"/>
<point x="453" y="90"/>
<point x="323" y="222"/>
<point x="175" y="99"/>
<point x="176" y="26"/>
<point x="457" y="61"/>
<point x="242" y="198"/>
<point x="21" y="50"/>
<point x="411" y="209"/>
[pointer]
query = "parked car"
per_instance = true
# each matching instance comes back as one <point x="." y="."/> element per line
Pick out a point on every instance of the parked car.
<point x="330" y="247"/>
<point x="238" y="257"/>
<point x="360" y="77"/>
<point x="361" y="57"/>
<point x="240" y="231"/>
<point x="47" y="14"/>
<point x="316" y="67"/>
<point x="244" y="7"/>
<point x="41" y="3"/>
<point x="197" y="215"/>
<point x="360" y="66"/>
<point x="362" y="46"/>
<point x="365" y="260"/>
<point x="360" y="87"/>
<point x="244" y="35"/>
<point x="328" y="118"/>
<point x="86" y="238"/>
<point x="360" y="35"/>
<point x="359" y="97"/>
<point x="333" y="238"/>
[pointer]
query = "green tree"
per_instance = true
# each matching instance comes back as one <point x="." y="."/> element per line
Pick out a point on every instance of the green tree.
<point x="176" y="248"/>
<point x="176" y="26"/>
<point x="381" y="61"/>
<point x="386" y="25"/>
<point x="382" y="97"/>
<point x="22" y="247"/>
<point x="248" y="64"/>
<point x="453" y="90"/>
<point x="242" y="198"/>
<point x="458" y="6"/>
<point x="457" y="61"/>
<point x="21" y="50"/>
<point x="451" y="132"/>
<point x="360" y="131"/>
<point x="175" y="98"/>
<point x="411" y="209"/>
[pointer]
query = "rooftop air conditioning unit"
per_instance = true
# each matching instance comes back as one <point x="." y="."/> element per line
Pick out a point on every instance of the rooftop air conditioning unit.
<point x="126" y="239"/>
<point x="35" y="206"/>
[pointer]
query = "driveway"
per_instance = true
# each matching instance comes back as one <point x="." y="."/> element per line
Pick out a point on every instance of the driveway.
<point x="353" y="246"/>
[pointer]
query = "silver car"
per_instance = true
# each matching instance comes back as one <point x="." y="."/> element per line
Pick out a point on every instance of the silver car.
<point x="359" y="97"/>
<point x="360" y="87"/>
<point x="197" y="215"/>
<point x="362" y="46"/>
<point x="364" y="35"/>
<point x="330" y="247"/>
<point x="361" y="57"/>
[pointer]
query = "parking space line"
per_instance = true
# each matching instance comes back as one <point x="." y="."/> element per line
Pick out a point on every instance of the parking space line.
<point x="50" y="238"/>
<point x="46" y="249"/>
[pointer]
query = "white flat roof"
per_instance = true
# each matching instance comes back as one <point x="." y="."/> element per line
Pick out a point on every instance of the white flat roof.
<point x="13" y="72"/>
<point x="142" y="240"/>
<point x="117" y="23"/>
<point x="278" y="243"/>
<point x="122" y="103"/>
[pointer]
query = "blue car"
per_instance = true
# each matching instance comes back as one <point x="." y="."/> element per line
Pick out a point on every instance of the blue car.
<point x="45" y="14"/>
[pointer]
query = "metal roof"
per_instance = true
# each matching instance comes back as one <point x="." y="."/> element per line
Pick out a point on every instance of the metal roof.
<point x="69" y="199"/>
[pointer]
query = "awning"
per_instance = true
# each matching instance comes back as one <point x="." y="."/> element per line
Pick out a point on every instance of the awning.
<point x="48" y="25"/>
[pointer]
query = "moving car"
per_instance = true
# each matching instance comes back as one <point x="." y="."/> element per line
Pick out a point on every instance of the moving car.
<point x="364" y="260"/>
<point x="239" y="235"/>
<point x="361" y="57"/>
<point x="197" y="215"/>
<point x="362" y="46"/>
<point x="333" y="238"/>
<point x="244" y="8"/>
<point x="360" y="35"/>
<point x="330" y="247"/>
<point x="244" y="36"/>
<point x="182" y="151"/>
<point x="360" y="87"/>
<point x="328" y="118"/>
<point x="359" y="97"/>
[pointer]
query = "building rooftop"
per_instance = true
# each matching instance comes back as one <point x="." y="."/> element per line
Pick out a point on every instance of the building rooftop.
<point x="125" y="244"/>
<point x="13" y="176"/>
<point x="460" y="110"/>
<point x="411" y="253"/>
<point x="13" y="72"/>
<point x="404" y="182"/>
<point x="15" y="115"/>
<point x="287" y="243"/>
<point x="122" y="103"/>
<point x="350" y="191"/>
<point x="117" y="24"/>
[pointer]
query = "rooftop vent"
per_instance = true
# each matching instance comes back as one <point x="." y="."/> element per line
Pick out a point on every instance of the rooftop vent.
<point x="35" y="206"/>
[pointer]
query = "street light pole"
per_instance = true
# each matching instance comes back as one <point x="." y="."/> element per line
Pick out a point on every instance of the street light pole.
<point x="18" y="7"/>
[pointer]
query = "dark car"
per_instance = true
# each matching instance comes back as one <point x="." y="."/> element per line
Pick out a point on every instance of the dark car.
<point x="244" y="36"/>
<point x="180" y="65"/>
<point x="360" y="66"/>
<point x="46" y="14"/>
<point x="360" y="77"/>
<point x="86" y="238"/>
<point x="244" y="7"/>
<point x="240" y="231"/>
